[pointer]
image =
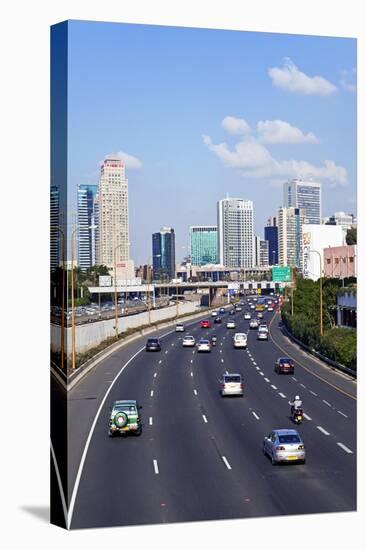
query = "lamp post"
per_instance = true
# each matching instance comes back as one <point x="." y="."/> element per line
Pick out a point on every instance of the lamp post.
<point x="320" y="290"/>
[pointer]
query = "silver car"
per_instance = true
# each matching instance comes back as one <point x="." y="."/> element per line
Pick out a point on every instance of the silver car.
<point x="203" y="345"/>
<point x="284" y="446"/>
<point x="231" y="384"/>
<point x="188" y="341"/>
<point x="179" y="327"/>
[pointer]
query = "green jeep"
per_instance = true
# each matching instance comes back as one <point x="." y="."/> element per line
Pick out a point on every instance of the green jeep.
<point x="125" y="417"/>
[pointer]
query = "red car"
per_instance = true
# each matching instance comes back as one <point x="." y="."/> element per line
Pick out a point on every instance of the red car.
<point x="205" y="324"/>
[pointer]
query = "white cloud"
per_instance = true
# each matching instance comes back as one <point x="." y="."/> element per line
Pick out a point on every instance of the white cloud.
<point x="235" y="125"/>
<point x="131" y="162"/>
<point x="345" y="80"/>
<point x="255" y="161"/>
<point x="290" y="79"/>
<point x="279" y="131"/>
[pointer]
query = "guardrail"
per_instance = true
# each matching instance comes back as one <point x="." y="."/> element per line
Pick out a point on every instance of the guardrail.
<point x="313" y="351"/>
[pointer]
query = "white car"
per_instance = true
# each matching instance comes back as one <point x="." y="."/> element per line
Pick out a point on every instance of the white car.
<point x="188" y="342"/>
<point x="179" y="327"/>
<point x="230" y="323"/>
<point x="240" y="340"/>
<point x="237" y="308"/>
<point x="247" y="316"/>
<point x="231" y="384"/>
<point x="203" y="345"/>
<point x="252" y="306"/>
<point x="270" y="308"/>
<point x="253" y="323"/>
<point x="214" y="314"/>
<point x="262" y="334"/>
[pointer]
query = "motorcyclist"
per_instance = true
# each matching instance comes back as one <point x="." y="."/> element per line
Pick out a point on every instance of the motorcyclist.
<point x="213" y="340"/>
<point x="296" y="404"/>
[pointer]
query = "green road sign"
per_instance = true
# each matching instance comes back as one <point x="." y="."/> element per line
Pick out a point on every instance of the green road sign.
<point x="281" y="274"/>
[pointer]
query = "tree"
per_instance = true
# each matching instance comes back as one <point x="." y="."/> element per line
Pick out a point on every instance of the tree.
<point x="351" y="236"/>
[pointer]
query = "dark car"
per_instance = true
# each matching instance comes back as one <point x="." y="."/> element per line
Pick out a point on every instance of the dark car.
<point x="218" y="320"/>
<point x="222" y="310"/>
<point x="153" y="344"/>
<point x="284" y="365"/>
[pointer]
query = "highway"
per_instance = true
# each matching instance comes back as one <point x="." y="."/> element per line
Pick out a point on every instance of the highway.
<point x="200" y="455"/>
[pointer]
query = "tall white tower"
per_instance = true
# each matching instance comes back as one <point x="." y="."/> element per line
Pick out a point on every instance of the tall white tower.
<point x="235" y="232"/>
<point x="307" y="195"/>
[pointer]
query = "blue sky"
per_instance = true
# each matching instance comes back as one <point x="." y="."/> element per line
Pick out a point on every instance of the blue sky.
<point x="201" y="113"/>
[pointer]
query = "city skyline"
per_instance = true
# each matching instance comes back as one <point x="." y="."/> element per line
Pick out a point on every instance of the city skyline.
<point x="243" y="113"/>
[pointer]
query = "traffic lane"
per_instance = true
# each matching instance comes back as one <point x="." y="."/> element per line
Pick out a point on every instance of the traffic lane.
<point x="343" y="381"/>
<point x="130" y="496"/>
<point x="335" y="484"/>
<point x="84" y="399"/>
<point x="321" y="401"/>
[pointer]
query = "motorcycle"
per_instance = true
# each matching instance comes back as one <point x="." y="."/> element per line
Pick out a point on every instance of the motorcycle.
<point x="297" y="416"/>
<point x="213" y="341"/>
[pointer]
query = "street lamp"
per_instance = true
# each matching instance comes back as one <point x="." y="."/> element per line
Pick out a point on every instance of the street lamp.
<point x="320" y="290"/>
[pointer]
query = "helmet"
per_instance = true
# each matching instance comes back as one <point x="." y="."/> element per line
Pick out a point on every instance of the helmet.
<point x="297" y="397"/>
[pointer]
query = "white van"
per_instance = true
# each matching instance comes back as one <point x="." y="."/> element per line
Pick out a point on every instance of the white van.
<point x="240" y="340"/>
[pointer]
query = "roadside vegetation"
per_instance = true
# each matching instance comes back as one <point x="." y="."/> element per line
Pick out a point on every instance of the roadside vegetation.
<point x="338" y="344"/>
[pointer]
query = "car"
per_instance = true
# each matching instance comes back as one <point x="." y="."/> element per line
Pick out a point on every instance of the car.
<point x="284" y="446"/>
<point x="188" y="341"/>
<point x="247" y="316"/>
<point x="203" y="345"/>
<point x="240" y="340"/>
<point x="222" y="310"/>
<point x="214" y="314"/>
<point x="253" y="323"/>
<point x="252" y="306"/>
<point x="125" y="418"/>
<point x="284" y="365"/>
<point x="260" y="315"/>
<point x="179" y="327"/>
<point x="263" y="326"/>
<point x="218" y="320"/>
<point x="230" y="323"/>
<point x="262" y="334"/>
<point x="237" y="308"/>
<point x="205" y="324"/>
<point x="153" y="344"/>
<point x="231" y="384"/>
<point x="270" y="308"/>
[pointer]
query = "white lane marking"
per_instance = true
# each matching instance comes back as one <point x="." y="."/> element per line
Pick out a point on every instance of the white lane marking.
<point x="151" y="393"/>
<point x="59" y="482"/>
<point x="195" y="392"/>
<point x="323" y="431"/>
<point x="155" y="374"/>
<point x="204" y="418"/>
<point x="326" y="402"/>
<point x="150" y="420"/>
<point x="257" y="368"/>
<point x="255" y="415"/>
<point x="293" y="378"/>
<point x="82" y="461"/>
<point x="222" y="360"/>
<point x="252" y="359"/>
<point x="345" y="448"/>
<point x="306" y="416"/>
<point x="226" y="462"/>
<point x="191" y="373"/>
<point x="194" y="351"/>
<point x="167" y="351"/>
<point x="261" y="373"/>
<point x="303" y="386"/>
<point x="191" y="360"/>
<point x="254" y="363"/>
<point x="156" y="468"/>
<point x="282" y="395"/>
<point x="220" y="350"/>
<point x="342" y="413"/>
<point x="274" y="387"/>
<point x="226" y="372"/>
<point x="266" y="379"/>
<point x="160" y="361"/>
<point x="313" y="393"/>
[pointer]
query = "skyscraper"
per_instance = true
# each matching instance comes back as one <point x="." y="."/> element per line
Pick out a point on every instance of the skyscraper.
<point x="55" y="237"/>
<point x="113" y="232"/>
<point x="203" y="239"/>
<point x="271" y="235"/>
<point x="304" y="194"/>
<point x="163" y="252"/>
<point x="86" y="225"/>
<point x="235" y="232"/>
<point x="290" y="222"/>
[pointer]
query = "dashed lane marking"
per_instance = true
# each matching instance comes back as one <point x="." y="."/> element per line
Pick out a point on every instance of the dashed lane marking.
<point x="151" y="393"/>
<point x="342" y="413"/>
<point x="257" y="368"/>
<point x="313" y="393"/>
<point x="155" y="374"/>
<point x="195" y="392"/>
<point x="282" y="395"/>
<point x="204" y="418"/>
<point x="345" y="448"/>
<point x="255" y="415"/>
<point x="150" y="420"/>
<point x="191" y="373"/>
<point x="156" y="467"/>
<point x="266" y="379"/>
<point x="274" y="387"/>
<point x="226" y="462"/>
<point x="261" y="373"/>
<point x="293" y="378"/>
<point x="306" y="416"/>
<point x="303" y="386"/>
<point x="323" y="431"/>
<point x="326" y="402"/>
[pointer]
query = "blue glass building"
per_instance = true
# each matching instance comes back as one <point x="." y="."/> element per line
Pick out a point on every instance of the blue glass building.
<point x="163" y="254"/>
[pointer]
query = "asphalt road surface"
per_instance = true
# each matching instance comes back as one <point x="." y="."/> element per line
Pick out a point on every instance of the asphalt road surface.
<point x="200" y="455"/>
